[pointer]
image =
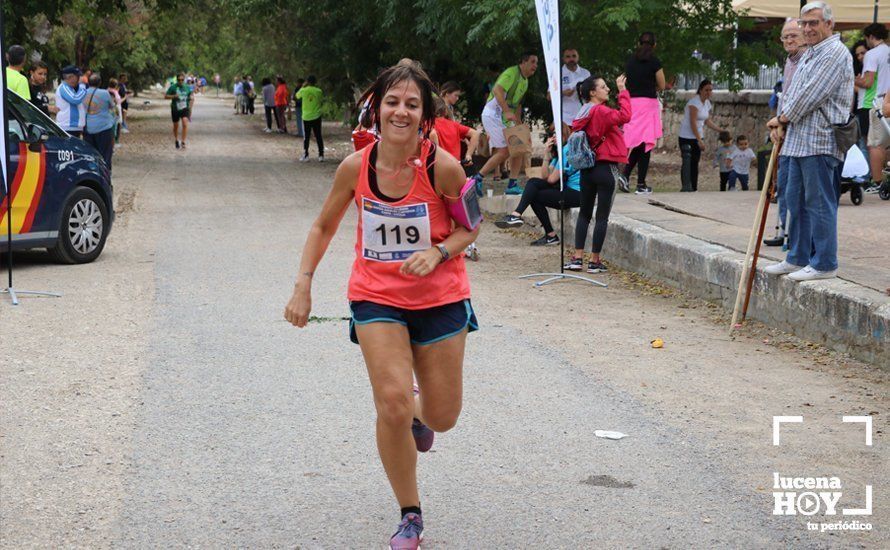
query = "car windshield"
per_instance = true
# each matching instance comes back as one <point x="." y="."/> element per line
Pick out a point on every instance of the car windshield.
<point x="30" y="114"/>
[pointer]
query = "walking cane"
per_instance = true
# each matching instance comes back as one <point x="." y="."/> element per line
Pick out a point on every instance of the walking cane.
<point x="746" y="281"/>
<point x="770" y="183"/>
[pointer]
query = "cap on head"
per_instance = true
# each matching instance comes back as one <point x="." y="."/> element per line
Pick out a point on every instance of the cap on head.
<point x="69" y="70"/>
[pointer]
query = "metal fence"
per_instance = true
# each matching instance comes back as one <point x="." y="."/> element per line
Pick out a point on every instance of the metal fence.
<point x="765" y="79"/>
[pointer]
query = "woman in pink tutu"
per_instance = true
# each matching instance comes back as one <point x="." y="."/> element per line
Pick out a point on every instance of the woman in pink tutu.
<point x="645" y="78"/>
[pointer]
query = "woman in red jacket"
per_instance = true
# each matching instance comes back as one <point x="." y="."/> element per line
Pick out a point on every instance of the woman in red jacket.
<point x="602" y="124"/>
<point x="282" y="98"/>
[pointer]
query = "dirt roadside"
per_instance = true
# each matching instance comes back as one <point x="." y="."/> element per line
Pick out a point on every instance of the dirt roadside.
<point x="71" y="389"/>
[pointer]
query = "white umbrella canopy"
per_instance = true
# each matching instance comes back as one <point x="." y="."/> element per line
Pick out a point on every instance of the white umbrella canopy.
<point x="845" y="11"/>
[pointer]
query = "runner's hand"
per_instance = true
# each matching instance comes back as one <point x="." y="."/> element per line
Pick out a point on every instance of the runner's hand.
<point x="297" y="310"/>
<point x="422" y="263"/>
<point x="510" y="115"/>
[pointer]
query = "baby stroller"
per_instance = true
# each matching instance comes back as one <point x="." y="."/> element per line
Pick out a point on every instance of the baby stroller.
<point x="855" y="175"/>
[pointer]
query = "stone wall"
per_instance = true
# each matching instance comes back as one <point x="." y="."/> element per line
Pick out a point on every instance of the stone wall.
<point x="745" y="112"/>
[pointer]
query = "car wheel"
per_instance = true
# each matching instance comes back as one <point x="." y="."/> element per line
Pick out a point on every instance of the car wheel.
<point x="83" y="228"/>
<point x="856" y="195"/>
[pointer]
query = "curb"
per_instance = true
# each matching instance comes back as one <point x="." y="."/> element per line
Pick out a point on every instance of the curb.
<point x="839" y="314"/>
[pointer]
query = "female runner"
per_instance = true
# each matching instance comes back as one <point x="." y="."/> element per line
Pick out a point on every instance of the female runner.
<point x="408" y="292"/>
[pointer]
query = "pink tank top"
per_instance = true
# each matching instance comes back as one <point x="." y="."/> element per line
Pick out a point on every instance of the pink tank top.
<point x="389" y="232"/>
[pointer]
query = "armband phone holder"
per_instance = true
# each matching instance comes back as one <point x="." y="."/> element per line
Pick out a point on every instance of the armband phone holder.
<point x="464" y="209"/>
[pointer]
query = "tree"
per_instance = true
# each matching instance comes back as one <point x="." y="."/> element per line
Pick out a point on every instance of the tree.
<point x="345" y="43"/>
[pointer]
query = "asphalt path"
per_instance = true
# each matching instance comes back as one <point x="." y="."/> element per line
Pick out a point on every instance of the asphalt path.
<point x="242" y="431"/>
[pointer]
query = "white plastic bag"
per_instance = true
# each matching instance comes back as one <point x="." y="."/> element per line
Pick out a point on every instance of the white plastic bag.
<point x="855" y="165"/>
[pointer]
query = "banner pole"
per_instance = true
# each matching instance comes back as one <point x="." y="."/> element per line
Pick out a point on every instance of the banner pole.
<point x="548" y="24"/>
<point x="7" y="188"/>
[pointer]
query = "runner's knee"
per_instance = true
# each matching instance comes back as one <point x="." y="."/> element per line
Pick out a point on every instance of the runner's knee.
<point x="441" y="419"/>
<point x="395" y="408"/>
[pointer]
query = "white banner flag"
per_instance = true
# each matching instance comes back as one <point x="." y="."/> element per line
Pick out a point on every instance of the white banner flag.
<point x="548" y="22"/>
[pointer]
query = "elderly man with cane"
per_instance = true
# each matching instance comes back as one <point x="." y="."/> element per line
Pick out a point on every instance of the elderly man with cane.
<point x="816" y="103"/>
<point x="795" y="47"/>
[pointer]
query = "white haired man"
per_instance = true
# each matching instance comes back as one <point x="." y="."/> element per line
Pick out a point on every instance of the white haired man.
<point x="819" y="97"/>
<point x="795" y="46"/>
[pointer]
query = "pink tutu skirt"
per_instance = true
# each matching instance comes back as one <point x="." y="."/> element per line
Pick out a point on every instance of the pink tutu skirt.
<point x="645" y="123"/>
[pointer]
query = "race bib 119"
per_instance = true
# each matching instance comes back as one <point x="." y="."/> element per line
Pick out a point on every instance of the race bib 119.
<point x="392" y="233"/>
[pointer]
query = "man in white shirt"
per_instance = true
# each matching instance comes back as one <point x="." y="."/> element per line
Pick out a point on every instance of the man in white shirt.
<point x="572" y="74"/>
<point x="875" y="80"/>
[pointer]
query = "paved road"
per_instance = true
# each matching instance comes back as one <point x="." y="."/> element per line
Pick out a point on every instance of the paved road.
<point x="163" y="402"/>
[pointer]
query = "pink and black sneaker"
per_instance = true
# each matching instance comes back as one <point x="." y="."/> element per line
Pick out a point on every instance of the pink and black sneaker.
<point x="409" y="534"/>
<point x="423" y="436"/>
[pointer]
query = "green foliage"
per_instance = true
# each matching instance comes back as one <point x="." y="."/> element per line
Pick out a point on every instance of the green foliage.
<point x="345" y="43"/>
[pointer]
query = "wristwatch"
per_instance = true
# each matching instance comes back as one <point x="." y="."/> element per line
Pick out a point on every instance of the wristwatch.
<point x="444" y="252"/>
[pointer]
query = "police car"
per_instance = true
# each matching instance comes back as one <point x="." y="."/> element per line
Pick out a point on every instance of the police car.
<point x="60" y="187"/>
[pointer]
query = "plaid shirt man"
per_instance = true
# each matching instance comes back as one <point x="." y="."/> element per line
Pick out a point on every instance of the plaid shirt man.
<point x="820" y="95"/>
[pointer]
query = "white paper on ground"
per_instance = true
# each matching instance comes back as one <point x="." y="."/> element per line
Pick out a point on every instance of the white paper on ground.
<point x="605" y="434"/>
<point x="855" y="164"/>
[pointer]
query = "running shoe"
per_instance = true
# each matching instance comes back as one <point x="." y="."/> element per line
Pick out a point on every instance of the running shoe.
<point x="513" y="189"/>
<point x="509" y="221"/>
<point x="775" y="241"/>
<point x="268" y="130"/>
<point x="183" y="144"/>
<point x="177" y="144"/>
<point x="596" y="267"/>
<point x="321" y="158"/>
<point x="423" y="436"/>
<point x="575" y="264"/>
<point x="409" y="534"/>
<point x="873" y="188"/>
<point x="645" y="190"/>
<point x="305" y="157"/>
<point x="546" y="240"/>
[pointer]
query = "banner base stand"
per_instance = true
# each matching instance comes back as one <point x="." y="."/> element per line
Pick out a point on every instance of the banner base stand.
<point x="553" y="277"/>
<point x="13" y="294"/>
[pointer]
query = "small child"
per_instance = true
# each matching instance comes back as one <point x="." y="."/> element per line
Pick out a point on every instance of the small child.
<point x="741" y="157"/>
<point x="721" y="157"/>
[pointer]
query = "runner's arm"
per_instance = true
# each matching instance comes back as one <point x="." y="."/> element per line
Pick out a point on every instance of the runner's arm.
<point x="450" y="178"/>
<point x="320" y="234"/>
